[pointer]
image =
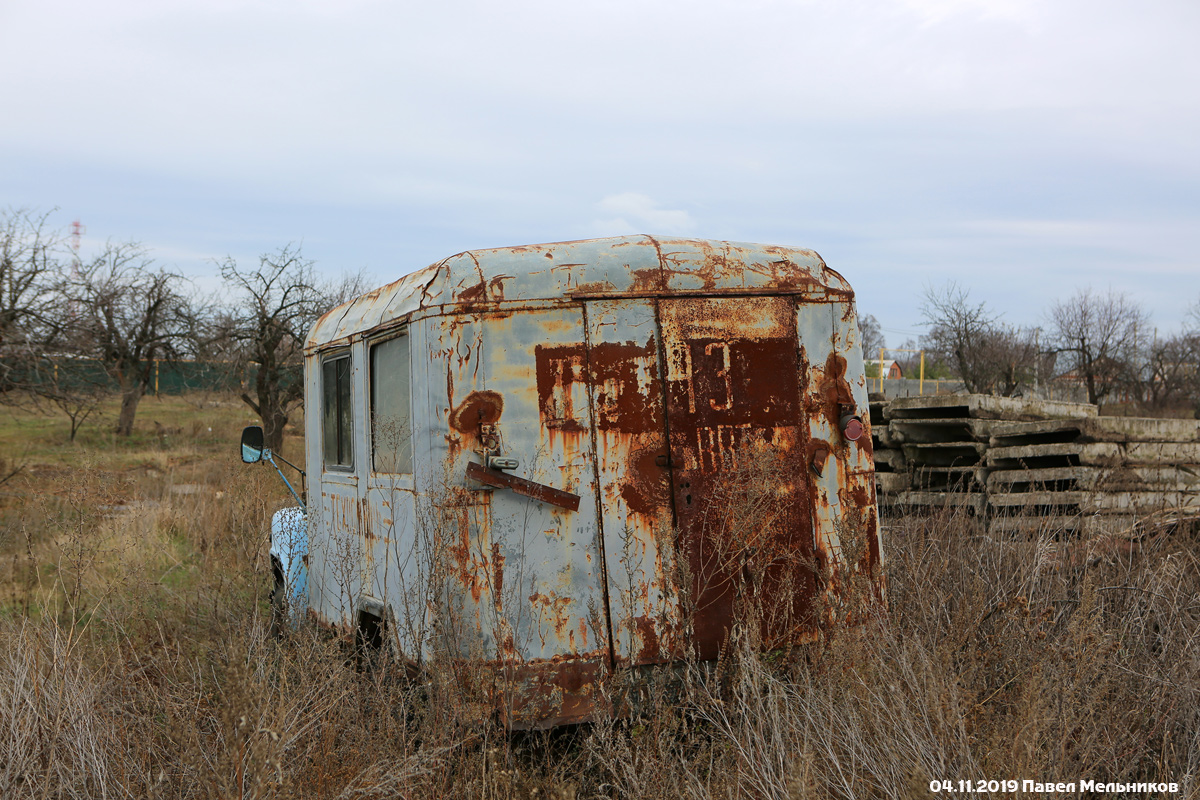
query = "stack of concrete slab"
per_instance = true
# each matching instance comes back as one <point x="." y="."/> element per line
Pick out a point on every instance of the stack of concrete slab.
<point x="891" y="474"/>
<point x="944" y="440"/>
<point x="1093" y="474"/>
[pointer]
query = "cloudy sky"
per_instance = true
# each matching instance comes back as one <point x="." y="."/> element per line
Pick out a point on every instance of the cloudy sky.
<point x="1022" y="148"/>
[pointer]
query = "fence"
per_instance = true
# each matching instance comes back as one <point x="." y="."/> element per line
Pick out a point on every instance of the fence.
<point x="167" y="377"/>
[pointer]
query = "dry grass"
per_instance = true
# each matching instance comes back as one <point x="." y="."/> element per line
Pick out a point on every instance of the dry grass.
<point x="134" y="662"/>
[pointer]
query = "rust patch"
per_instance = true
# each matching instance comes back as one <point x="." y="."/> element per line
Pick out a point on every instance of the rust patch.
<point x="817" y="453"/>
<point x="483" y="292"/>
<point x="595" y="287"/>
<point x="647" y="489"/>
<point x="647" y="280"/>
<point x="478" y="408"/>
<point x="473" y="294"/>
<point x="649" y="650"/>
<point x="626" y="383"/>
<point x="835" y="389"/>
<point x="559" y="369"/>
<point x="545" y="694"/>
<point x="737" y="424"/>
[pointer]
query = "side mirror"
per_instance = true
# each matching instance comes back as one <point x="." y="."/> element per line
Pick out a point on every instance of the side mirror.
<point x="252" y="444"/>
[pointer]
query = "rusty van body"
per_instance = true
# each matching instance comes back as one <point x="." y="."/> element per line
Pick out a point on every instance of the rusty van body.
<point x="543" y="465"/>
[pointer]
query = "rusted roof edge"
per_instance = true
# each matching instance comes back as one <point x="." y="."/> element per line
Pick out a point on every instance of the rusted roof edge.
<point x="747" y="292"/>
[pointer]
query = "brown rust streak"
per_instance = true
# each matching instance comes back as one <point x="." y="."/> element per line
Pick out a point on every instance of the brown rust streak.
<point x="559" y="609"/>
<point x="649" y="651"/>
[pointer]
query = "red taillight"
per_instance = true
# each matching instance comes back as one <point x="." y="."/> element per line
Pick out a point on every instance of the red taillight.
<point x="852" y="427"/>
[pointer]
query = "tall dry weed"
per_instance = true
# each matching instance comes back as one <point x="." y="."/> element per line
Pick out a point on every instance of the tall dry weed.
<point x="154" y="675"/>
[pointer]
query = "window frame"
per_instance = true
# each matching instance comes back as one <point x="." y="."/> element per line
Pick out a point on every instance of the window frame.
<point x="371" y="344"/>
<point x="348" y="440"/>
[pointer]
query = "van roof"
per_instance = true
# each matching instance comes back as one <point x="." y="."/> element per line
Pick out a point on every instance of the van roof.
<point x="621" y="266"/>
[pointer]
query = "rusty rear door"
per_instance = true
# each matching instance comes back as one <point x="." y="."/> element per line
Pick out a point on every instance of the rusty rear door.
<point x="737" y="430"/>
<point x="701" y="432"/>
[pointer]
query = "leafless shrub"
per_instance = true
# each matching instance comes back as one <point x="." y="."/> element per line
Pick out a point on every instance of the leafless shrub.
<point x="58" y="738"/>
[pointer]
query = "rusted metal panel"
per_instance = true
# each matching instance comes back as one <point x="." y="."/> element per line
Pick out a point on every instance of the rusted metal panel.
<point x="633" y="468"/>
<point x="676" y="411"/>
<point x="845" y="520"/>
<point x="525" y="580"/>
<point x="737" y="432"/>
<point x="632" y="266"/>
<point x="381" y="306"/>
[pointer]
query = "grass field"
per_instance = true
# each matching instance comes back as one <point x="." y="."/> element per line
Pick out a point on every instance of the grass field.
<point x="135" y="660"/>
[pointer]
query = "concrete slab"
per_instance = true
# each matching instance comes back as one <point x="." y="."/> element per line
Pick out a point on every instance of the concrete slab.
<point x="1074" y="525"/>
<point x="883" y="436"/>
<point x="889" y="459"/>
<point x="1121" y="478"/>
<point x="1095" y="429"/>
<point x="945" y="454"/>
<point x="1087" y="501"/>
<point x="949" y="479"/>
<point x="891" y="482"/>
<point x="983" y="406"/>
<point x="926" y="431"/>
<point x="877" y="409"/>
<point x="1069" y="454"/>
<point x="975" y="501"/>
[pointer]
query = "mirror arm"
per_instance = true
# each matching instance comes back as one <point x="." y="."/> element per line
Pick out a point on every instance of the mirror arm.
<point x="269" y="456"/>
<point x="284" y="460"/>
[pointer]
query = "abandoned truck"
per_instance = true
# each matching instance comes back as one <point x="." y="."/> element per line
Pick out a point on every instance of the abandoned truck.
<point x="549" y="465"/>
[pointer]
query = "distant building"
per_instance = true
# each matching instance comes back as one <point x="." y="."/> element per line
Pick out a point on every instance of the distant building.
<point x="889" y="368"/>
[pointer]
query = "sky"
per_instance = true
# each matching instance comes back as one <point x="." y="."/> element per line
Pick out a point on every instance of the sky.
<point x="1024" y="149"/>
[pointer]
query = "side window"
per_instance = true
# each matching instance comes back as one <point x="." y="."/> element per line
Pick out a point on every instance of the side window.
<point x="337" y="413"/>
<point x="391" y="414"/>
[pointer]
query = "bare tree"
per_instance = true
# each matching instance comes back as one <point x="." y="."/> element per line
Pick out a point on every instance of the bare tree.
<point x="1168" y="372"/>
<point x="872" y="336"/>
<point x="30" y="266"/>
<point x="275" y="306"/>
<point x="1098" y="338"/>
<point x="1165" y="374"/>
<point x="131" y="313"/>
<point x="988" y="355"/>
